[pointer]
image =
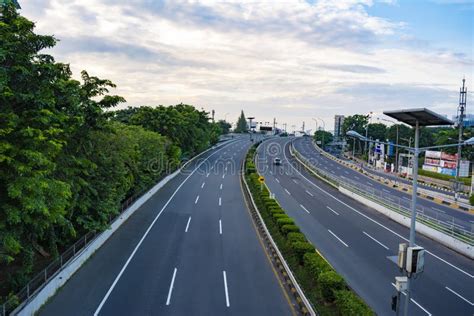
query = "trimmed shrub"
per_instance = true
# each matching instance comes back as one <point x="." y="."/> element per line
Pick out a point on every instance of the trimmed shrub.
<point x="292" y="237"/>
<point x="285" y="229"/>
<point x="315" y="264"/>
<point x="330" y="282"/>
<point x="250" y="167"/>
<point x="277" y="210"/>
<point x="277" y="216"/>
<point x="285" y="221"/>
<point x="350" y="304"/>
<point x="300" y="248"/>
<point x="471" y="199"/>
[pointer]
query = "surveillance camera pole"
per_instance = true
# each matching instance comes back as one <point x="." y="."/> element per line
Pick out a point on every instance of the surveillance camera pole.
<point x="413" y="206"/>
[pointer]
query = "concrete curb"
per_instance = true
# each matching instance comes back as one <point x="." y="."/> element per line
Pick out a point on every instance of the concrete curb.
<point x="303" y="304"/>
<point x="400" y="186"/>
<point x="49" y="290"/>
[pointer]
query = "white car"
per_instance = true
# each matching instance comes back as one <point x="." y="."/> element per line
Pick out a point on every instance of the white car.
<point x="277" y="161"/>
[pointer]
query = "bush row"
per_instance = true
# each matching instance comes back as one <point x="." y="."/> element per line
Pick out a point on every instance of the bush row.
<point x="324" y="287"/>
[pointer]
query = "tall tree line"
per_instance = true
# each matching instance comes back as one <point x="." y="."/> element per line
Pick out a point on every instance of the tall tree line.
<point x="66" y="160"/>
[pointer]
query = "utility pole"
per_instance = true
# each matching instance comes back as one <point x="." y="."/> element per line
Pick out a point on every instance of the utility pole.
<point x="303" y="127"/>
<point x="461" y="110"/>
<point x="213" y="113"/>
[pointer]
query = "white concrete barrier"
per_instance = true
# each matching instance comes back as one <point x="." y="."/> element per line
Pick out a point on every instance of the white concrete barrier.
<point x="427" y="231"/>
<point x="34" y="304"/>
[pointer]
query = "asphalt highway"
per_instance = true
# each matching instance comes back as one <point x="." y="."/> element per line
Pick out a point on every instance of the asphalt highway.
<point x="191" y="249"/>
<point x="358" y="240"/>
<point x="458" y="218"/>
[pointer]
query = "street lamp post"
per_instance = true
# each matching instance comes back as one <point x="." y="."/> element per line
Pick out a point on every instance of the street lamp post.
<point x="396" y="145"/>
<point x="324" y="127"/>
<point x="369" y="116"/>
<point x="415" y="118"/>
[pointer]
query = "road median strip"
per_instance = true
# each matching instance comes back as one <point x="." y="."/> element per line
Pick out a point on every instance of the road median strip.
<point x="313" y="282"/>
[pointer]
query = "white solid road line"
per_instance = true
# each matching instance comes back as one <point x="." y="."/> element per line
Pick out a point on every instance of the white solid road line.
<point x="309" y="193"/>
<point x="304" y="208"/>
<point x="438" y="210"/>
<point x="460" y="296"/>
<point x="287" y="192"/>
<point x="332" y="210"/>
<point x="147" y="232"/>
<point x="170" y="291"/>
<point x="421" y="307"/>
<point x="376" y="240"/>
<point x="374" y="221"/>
<point x="187" y="225"/>
<point x="197" y="199"/>
<point x="220" y="201"/>
<point x="338" y="238"/>
<point x="276" y="179"/>
<point x="227" y="302"/>
<point x="414" y="302"/>
<point x="202" y="185"/>
<point x="220" y="227"/>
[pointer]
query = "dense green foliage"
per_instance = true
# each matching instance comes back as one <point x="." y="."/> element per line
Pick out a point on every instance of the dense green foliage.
<point x="187" y="127"/>
<point x="224" y="126"/>
<point x="322" y="136"/>
<point x="326" y="289"/>
<point x="242" y="126"/>
<point x="65" y="166"/>
<point x="445" y="177"/>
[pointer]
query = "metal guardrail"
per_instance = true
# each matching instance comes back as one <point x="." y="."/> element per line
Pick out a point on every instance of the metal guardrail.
<point x="446" y="224"/>
<point x="44" y="276"/>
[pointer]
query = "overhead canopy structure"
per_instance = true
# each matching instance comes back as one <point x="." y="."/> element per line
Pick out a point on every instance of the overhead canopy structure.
<point x="424" y="117"/>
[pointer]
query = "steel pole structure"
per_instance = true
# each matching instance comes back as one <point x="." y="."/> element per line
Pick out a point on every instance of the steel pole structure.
<point x="462" y="107"/>
<point x="396" y="152"/>
<point x="413" y="206"/>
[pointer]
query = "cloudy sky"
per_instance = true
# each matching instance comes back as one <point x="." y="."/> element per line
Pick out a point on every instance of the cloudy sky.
<point x="295" y="60"/>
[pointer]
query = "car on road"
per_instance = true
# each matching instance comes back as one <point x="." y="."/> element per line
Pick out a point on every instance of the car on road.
<point x="277" y="161"/>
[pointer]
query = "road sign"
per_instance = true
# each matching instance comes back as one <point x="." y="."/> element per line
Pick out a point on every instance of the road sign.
<point x="261" y="179"/>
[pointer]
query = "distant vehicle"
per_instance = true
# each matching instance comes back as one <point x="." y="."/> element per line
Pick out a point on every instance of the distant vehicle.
<point x="277" y="161"/>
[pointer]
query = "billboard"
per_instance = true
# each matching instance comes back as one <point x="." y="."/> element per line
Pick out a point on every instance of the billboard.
<point x="433" y="154"/>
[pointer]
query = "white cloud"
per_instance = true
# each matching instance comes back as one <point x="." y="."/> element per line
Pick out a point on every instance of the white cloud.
<point x="287" y="59"/>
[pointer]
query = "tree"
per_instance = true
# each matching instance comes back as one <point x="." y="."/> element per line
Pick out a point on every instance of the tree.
<point x="224" y="126"/>
<point x="356" y="123"/>
<point x="242" y="125"/>
<point x="323" y="136"/>
<point x="377" y="131"/>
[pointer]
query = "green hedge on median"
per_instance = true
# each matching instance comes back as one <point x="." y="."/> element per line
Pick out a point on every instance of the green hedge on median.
<point x="323" y="286"/>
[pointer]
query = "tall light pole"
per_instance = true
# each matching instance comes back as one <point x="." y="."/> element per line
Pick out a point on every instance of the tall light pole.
<point x="461" y="110"/>
<point x="419" y="120"/>
<point x="396" y="147"/>
<point x="369" y="116"/>
<point x="415" y="118"/>
<point x="324" y="127"/>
